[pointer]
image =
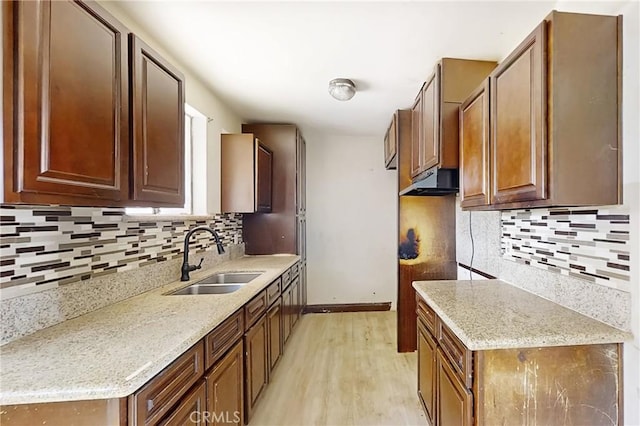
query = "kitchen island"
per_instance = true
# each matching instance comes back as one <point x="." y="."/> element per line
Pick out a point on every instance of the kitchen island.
<point x="491" y="353"/>
<point x="98" y="363"/>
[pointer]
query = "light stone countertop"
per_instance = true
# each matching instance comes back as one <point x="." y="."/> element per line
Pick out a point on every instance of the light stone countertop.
<point x="112" y="352"/>
<point x="492" y="314"/>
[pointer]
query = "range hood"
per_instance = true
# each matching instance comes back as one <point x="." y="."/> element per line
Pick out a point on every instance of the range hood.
<point x="434" y="182"/>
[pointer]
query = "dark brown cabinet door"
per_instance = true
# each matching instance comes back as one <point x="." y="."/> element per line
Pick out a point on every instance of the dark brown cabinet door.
<point x="301" y="173"/>
<point x="66" y="104"/>
<point x="427" y="372"/>
<point x="274" y="324"/>
<point x="157" y="90"/>
<point x="263" y="176"/>
<point x="287" y="302"/>
<point x="430" y="146"/>
<point x="225" y="386"/>
<point x="455" y="401"/>
<point x="295" y="302"/>
<point x="190" y="411"/>
<point x="256" y="364"/>
<point x="416" y="134"/>
<point x="518" y="114"/>
<point x="474" y="149"/>
<point x="391" y="144"/>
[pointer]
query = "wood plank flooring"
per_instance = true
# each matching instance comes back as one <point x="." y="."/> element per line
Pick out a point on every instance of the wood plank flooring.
<point x="343" y="369"/>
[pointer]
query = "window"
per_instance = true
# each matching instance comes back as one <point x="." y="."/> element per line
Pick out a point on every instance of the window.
<point x="195" y="135"/>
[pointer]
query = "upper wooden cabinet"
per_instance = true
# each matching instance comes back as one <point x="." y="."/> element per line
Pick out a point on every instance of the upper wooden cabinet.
<point x="279" y="231"/>
<point x="66" y="104"/>
<point x="246" y="174"/>
<point x="474" y="148"/>
<point x="157" y="90"/>
<point x="553" y="121"/>
<point x="71" y="136"/>
<point x="391" y="144"/>
<point x="435" y="113"/>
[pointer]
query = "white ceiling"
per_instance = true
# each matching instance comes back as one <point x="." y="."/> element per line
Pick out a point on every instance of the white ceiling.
<point x="272" y="61"/>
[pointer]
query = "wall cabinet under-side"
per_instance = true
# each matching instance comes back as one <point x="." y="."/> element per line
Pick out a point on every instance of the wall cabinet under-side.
<point x="92" y="116"/>
<point x="553" y="122"/>
<point x="246" y="174"/>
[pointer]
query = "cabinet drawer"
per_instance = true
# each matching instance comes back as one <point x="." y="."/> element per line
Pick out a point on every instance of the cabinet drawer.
<point x="155" y="399"/>
<point x="183" y="415"/>
<point x="295" y="270"/>
<point x="223" y="337"/>
<point x="273" y="291"/>
<point x="254" y="309"/>
<point x="457" y="354"/>
<point x="286" y="279"/>
<point x="428" y="316"/>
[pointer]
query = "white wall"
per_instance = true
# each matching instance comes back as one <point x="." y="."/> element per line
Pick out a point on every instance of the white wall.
<point x="221" y="118"/>
<point x="351" y="221"/>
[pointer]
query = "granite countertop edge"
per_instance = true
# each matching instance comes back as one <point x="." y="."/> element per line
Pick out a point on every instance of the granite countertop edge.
<point x="606" y="335"/>
<point x="80" y="387"/>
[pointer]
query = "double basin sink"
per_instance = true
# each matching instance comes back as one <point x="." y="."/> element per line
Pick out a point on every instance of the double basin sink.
<point x="219" y="283"/>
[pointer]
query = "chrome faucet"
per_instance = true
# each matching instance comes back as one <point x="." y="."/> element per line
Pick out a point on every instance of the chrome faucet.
<point x="186" y="268"/>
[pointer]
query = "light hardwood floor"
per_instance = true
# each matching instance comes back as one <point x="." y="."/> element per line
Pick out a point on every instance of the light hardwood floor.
<point x="343" y="369"/>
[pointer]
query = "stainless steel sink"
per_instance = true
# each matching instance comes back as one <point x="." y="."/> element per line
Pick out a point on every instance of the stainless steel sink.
<point x="220" y="283"/>
<point x="207" y="289"/>
<point x="230" y="277"/>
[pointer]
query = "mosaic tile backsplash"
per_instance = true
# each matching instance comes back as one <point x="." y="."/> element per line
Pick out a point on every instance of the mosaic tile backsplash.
<point x="43" y="247"/>
<point x="588" y="244"/>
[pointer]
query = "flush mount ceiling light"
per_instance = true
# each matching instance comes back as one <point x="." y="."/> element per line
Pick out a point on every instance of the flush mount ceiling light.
<point x="342" y="89"/>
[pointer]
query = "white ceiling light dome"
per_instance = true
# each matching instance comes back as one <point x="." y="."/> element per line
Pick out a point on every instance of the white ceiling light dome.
<point x="342" y="89"/>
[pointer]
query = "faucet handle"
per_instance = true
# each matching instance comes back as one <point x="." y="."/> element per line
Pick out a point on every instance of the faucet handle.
<point x="199" y="264"/>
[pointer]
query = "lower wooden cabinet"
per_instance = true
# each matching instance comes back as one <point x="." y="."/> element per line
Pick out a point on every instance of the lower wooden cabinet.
<point x="461" y="387"/>
<point x="427" y="372"/>
<point x="454" y="402"/>
<point x="225" y="389"/>
<point x="156" y="399"/>
<point x="191" y="410"/>
<point x="287" y="301"/>
<point x="274" y="324"/>
<point x="256" y="364"/>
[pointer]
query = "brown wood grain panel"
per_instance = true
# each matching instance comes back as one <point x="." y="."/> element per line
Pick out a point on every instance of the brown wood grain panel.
<point x="256" y="365"/>
<point x="274" y="325"/>
<point x="154" y="400"/>
<point x="218" y="341"/>
<point x="347" y="307"/>
<point x="66" y="131"/>
<point x="552" y="385"/>
<point x="263" y="173"/>
<point x="430" y="147"/>
<point x="454" y="400"/>
<point x="404" y="148"/>
<point x="157" y="127"/>
<point x="474" y="149"/>
<point x="276" y="232"/>
<point x="237" y="179"/>
<point x="416" y="134"/>
<point x="72" y="413"/>
<point x="426" y="250"/>
<point x="273" y="291"/>
<point x="427" y="372"/>
<point x="191" y="410"/>
<point x="225" y="389"/>
<point x="254" y="309"/>
<point x="391" y="143"/>
<point x="518" y="115"/>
